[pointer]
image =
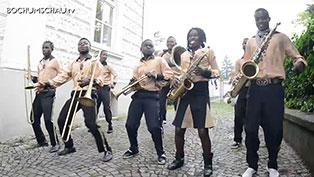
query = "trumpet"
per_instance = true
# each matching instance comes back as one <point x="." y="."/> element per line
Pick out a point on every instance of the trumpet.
<point x="249" y="70"/>
<point x="130" y="88"/>
<point x="28" y="85"/>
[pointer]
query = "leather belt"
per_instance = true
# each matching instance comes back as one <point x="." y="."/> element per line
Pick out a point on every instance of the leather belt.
<point x="266" y="81"/>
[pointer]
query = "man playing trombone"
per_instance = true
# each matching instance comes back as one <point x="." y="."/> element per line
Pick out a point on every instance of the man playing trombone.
<point x="48" y="68"/>
<point x="81" y="71"/>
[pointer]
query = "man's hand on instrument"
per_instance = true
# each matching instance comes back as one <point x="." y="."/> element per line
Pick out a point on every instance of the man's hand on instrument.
<point x="151" y="75"/>
<point x="199" y="71"/>
<point x="112" y="85"/>
<point x="84" y="82"/>
<point x="175" y="83"/>
<point x="299" y="67"/>
<point x="34" y="79"/>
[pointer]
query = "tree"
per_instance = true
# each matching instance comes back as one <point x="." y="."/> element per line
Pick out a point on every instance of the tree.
<point x="299" y="90"/>
<point x="226" y="69"/>
<point x="158" y="39"/>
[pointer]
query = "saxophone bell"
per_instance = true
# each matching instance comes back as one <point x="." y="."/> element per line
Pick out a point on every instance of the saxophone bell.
<point x="249" y="69"/>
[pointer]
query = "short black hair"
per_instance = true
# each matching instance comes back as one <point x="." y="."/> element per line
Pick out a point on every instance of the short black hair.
<point x="50" y="43"/>
<point x="171" y="37"/>
<point x="263" y="10"/>
<point x="102" y="51"/>
<point x="83" y="38"/>
<point x="145" y="41"/>
<point x="201" y="35"/>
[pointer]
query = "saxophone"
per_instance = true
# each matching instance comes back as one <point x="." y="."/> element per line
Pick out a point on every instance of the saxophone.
<point x="250" y="69"/>
<point x="186" y="83"/>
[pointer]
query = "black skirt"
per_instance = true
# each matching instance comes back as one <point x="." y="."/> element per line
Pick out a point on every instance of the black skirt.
<point x="193" y="110"/>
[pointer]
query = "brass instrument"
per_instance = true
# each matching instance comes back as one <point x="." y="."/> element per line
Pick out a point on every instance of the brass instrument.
<point x="249" y="69"/>
<point x="87" y="99"/>
<point x="175" y="58"/>
<point x="28" y="85"/>
<point x="186" y="83"/>
<point x="130" y="88"/>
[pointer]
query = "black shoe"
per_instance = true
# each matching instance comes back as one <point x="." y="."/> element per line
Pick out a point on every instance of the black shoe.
<point x="129" y="154"/>
<point x="54" y="148"/>
<point x="177" y="163"/>
<point x="236" y="145"/>
<point x="107" y="156"/>
<point x="66" y="151"/>
<point x="42" y="144"/>
<point x="162" y="159"/>
<point x="110" y="129"/>
<point x="208" y="170"/>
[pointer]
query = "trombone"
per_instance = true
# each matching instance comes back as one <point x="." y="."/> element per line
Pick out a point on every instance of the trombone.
<point x="28" y="85"/>
<point x="64" y="136"/>
<point x="130" y="87"/>
<point x="87" y="99"/>
<point x="82" y="100"/>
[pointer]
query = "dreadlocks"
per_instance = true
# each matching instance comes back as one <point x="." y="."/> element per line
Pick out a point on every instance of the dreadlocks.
<point x="201" y="35"/>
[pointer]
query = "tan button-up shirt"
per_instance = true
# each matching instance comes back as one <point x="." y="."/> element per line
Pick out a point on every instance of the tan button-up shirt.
<point x="237" y="68"/>
<point x="176" y="71"/>
<point x="272" y="65"/>
<point x="48" y="69"/>
<point x="107" y="73"/>
<point x="156" y="65"/>
<point x="79" y="70"/>
<point x="208" y="62"/>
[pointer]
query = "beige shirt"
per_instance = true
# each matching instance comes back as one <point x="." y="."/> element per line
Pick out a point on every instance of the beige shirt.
<point x="176" y="71"/>
<point x="208" y="62"/>
<point x="156" y="65"/>
<point x="272" y="65"/>
<point x="79" y="70"/>
<point x="48" y="69"/>
<point x="237" y="68"/>
<point x="107" y="73"/>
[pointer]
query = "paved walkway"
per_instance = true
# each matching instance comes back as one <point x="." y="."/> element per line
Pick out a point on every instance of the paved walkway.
<point x="19" y="157"/>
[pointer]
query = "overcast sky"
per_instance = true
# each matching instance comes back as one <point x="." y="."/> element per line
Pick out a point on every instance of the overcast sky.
<point x="225" y="22"/>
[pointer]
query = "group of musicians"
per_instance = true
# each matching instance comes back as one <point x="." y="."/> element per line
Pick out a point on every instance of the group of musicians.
<point x="261" y="102"/>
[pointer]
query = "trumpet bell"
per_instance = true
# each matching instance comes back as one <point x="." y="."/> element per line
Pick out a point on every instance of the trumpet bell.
<point x="87" y="101"/>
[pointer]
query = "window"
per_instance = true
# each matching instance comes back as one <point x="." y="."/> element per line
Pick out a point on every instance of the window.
<point x="103" y="22"/>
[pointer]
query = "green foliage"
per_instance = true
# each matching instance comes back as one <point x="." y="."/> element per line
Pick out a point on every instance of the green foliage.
<point x="299" y="90"/>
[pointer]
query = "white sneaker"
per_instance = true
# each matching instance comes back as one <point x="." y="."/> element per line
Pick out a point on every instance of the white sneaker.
<point x="273" y="172"/>
<point x="249" y="172"/>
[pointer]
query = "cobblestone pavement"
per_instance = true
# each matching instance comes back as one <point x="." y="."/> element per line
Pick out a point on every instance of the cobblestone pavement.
<point x="18" y="157"/>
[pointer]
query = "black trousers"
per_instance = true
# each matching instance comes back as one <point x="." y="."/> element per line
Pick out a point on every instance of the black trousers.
<point x="43" y="104"/>
<point x="163" y="102"/>
<point x="239" y="114"/>
<point x="104" y="98"/>
<point x="90" y="120"/>
<point x="265" y="107"/>
<point x="148" y="103"/>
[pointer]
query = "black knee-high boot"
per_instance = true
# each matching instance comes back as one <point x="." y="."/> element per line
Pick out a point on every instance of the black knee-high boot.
<point x="208" y="165"/>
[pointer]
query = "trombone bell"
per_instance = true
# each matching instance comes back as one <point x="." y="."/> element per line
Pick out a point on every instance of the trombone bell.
<point x="87" y="101"/>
